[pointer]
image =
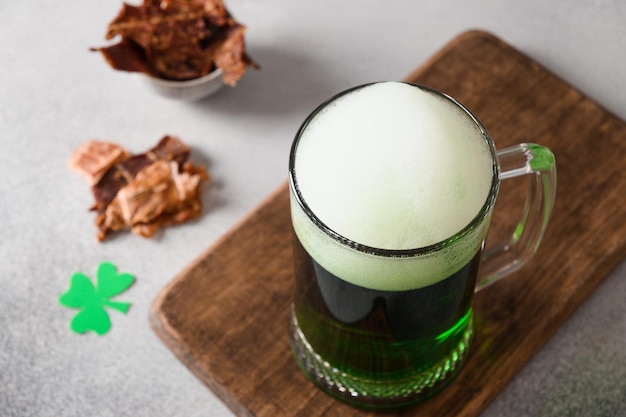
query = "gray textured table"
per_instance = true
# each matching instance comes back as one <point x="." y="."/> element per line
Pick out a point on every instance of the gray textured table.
<point x="55" y="94"/>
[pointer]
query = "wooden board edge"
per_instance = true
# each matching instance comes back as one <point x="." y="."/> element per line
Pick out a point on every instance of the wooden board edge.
<point x="160" y="298"/>
<point x="168" y="334"/>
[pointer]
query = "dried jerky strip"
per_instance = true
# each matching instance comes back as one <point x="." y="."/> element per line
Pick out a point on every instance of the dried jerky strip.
<point x="93" y="158"/>
<point x="116" y="177"/>
<point x="160" y="195"/>
<point x="178" y="40"/>
<point x="119" y="175"/>
<point x="170" y="148"/>
<point x="143" y="192"/>
<point x="127" y="56"/>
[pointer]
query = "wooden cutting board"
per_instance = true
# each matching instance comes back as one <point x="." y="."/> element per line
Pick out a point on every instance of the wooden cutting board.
<point x="226" y="315"/>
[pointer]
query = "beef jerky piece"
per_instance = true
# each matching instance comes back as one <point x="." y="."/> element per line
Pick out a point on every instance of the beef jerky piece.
<point x="127" y="56"/>
<point x="119" y="175"/>
<point x="161" y="194"/>
<point x="115" y="178"/>
<point x="189" y="205"/>
<point x="178" y="50"/>
<point x="170" y="148"/>
<point x="142" y="192"/>
<point x="178" y="40"/>
<point x="231" y="57"/>
<point x="92" y="159"/>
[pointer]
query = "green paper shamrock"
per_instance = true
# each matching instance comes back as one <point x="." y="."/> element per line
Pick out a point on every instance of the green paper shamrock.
<point x="92" y="301"/>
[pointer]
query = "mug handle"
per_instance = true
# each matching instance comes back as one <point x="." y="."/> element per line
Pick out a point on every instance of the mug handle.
<point x="538" y="163"/>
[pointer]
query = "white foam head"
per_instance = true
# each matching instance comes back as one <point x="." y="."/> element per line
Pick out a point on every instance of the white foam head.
<point x="391" y="166"/>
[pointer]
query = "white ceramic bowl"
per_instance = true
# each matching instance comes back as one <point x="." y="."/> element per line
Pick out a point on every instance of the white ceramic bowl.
<point x="190" y="90"/>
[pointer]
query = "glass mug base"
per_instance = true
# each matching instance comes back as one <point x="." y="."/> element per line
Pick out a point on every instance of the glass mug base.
<point x="378" y="393"/>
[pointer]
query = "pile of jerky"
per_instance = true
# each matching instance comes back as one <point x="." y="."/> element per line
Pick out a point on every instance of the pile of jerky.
<point x="142" y="192"/>
<point x="178" y="40"/>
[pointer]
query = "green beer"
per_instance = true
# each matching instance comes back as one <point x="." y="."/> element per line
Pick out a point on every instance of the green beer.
<point x="392" y="187"/>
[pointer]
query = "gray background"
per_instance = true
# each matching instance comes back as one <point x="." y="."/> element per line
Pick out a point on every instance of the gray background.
<point x="55" y="94"/>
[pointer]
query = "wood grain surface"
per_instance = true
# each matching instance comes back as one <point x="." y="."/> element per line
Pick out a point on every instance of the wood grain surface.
<point x="226" y="315"/>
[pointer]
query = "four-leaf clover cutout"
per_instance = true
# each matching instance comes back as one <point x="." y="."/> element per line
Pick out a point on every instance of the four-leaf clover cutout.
<point x="93" y="300"/>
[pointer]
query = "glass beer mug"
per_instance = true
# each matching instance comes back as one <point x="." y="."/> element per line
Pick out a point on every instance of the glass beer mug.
<point x="392" y="187"/>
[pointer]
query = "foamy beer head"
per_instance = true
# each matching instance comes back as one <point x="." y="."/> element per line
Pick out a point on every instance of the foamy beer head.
<point x="392" y="186"/>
